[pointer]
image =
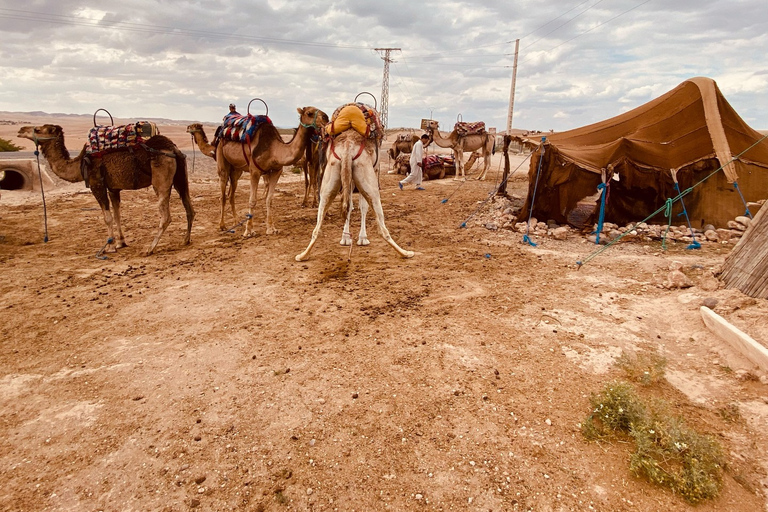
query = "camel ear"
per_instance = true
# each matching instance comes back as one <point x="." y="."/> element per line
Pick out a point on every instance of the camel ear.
<point x="300" y="111"/>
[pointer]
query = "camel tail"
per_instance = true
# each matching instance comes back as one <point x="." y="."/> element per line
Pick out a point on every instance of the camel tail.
<point x="346" y="182"/>
<point x="493" y="149"/>
<point x="180" y="179"/>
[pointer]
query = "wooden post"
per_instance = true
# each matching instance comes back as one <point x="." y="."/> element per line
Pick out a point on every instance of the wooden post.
<point x="503" y="187"/>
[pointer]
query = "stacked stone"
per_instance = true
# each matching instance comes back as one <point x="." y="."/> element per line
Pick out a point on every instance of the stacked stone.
<point x="643" y="231"/>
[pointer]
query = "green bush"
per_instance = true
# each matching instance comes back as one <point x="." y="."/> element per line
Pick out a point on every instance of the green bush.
<point x="6" y="145"/>
<point x="668" y="453"/>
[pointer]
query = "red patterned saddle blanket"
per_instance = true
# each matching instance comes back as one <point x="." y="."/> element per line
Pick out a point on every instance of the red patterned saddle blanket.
<point x="438" y="161"/>
<point x="469" y="128"/>
<point x="109" y="138"/>
<point x="240" y="128"/>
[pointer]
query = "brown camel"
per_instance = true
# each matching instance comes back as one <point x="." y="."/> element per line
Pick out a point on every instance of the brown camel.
<point x="310" y="167"/>
<point x="402" y="146"/>
<point x="201" y="140"/>
<point x="265" y="155"/>
<point x="461" y="143"/>
<point x="157" y="162"/>
<point x="344" y="171"/>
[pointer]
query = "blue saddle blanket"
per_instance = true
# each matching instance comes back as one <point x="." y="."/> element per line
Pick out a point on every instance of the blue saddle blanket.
<point x="240" y="128"/>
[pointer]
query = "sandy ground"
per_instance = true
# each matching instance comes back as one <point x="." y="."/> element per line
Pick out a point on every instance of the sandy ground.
<point x="226" y="376"/>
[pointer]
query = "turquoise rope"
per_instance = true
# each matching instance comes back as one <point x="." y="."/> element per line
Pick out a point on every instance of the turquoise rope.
<point x="526" y="238"/>
<point x="695" y="244"/>
<point x="746" y="208"/>
<point x="604" y="189"/>
<point x="679" y="196"/>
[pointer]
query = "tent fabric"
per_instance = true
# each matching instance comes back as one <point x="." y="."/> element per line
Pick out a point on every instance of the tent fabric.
<point x="683" y="135"/>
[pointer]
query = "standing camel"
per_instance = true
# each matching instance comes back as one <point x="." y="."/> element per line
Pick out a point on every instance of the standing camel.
<point x="156" y="161"/>
<point x="201" y="140"/>
<point x="460" y="143"/>
<point x="350" y="163"/>
<point x="265" y="155"/>
<point x="309" y="162"/>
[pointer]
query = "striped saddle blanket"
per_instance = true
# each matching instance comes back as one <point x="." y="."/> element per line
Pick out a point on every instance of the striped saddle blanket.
<point x="108" y="138"/>
<point x="438" y="161"/>
<point x="240" y="128"/>
<point x="469" y="128"/>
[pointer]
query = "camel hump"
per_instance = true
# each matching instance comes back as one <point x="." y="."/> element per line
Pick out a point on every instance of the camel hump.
<point x="160" y="143"/>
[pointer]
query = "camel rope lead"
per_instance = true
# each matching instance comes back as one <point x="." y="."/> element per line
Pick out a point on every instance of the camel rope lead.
<point x="42" y="192"/>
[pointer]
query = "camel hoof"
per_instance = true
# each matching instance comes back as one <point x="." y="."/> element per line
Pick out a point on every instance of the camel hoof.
<point x="345" y="240"/>
<point x="301" y="257"/>
<point x="272" y="231"/>
<point x="363" y="241"/>
<point x="408" y="254"/>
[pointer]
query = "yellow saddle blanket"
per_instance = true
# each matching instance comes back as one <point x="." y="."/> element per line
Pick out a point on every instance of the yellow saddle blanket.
<point x="349" y="116"/>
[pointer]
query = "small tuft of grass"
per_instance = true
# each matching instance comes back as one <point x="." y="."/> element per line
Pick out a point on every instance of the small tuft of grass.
<point x="668" y="452"/>
<point x="645" y="368"/>
<point x="730" y="413"/>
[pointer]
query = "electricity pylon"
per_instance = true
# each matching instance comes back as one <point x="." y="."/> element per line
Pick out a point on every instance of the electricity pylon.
<point x="384" y="108"/>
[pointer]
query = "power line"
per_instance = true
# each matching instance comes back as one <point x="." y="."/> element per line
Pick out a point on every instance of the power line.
<point x="58" y="19"/>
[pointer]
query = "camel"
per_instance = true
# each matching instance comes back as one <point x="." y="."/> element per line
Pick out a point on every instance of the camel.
<point x="402" y="146"/>
<point x="157" y="162"/>
<point x="201" y="140"/>
<point x="438" y="172"/>
<point x="345" y="169"/>
<point x="264" y="156"/>
<point x="484" y="142"/>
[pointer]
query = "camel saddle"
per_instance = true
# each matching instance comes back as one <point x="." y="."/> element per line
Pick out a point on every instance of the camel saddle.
<point x="102" y="139"/>
<point x="356" y="116"/>
<point x="239" y="128"/>
<point x="438" y="161"/>
<point x="469" y="128"/>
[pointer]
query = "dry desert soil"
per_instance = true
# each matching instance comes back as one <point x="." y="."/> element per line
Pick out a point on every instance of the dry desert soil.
<point x="224" y="375"/>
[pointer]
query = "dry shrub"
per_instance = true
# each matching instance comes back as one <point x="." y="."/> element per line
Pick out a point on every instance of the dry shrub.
<point x="645" y="368"/>
<point x="668" y="452"/>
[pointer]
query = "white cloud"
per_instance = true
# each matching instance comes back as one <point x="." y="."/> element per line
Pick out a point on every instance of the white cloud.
<point x="579" y="62"/>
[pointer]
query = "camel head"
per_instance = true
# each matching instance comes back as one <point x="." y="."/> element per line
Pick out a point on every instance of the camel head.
<point x="313" y="117"/>
<point x="44" y="132"/>
<point x="195" y="128"/>
<point x="431" y="125"/>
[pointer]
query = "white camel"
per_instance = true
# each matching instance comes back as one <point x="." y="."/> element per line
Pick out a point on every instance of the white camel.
<point x="350" y="163"/>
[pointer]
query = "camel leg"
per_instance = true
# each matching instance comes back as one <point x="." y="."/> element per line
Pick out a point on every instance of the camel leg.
<point x="255" y="178"/>
<point x="271" y="186"/>
<point x="457" y="155"/>
<point x="330" y="186"/>
<point x="181" y="184"/>
<point x="346" y="233"/>
<point x="114" y="198"/>
<point x="223" y="180"/>
<point x="362" y="238"/>
<point x="100" y="193"/>
<point x="234" y="177"/>
<point x="369" y="189"/>
<point x="307" y="183"/>
<point x="161" y="184"/>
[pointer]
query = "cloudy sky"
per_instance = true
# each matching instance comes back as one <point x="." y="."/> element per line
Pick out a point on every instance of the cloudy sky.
<point x="579" y="61"/>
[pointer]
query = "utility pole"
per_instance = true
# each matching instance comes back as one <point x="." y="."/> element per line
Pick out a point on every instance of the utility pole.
<point x="512" y="89"/>
<point x="384" y="108"/>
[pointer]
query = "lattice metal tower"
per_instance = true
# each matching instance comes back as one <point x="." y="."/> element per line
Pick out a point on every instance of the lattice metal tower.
<point x="384" y="108"/>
